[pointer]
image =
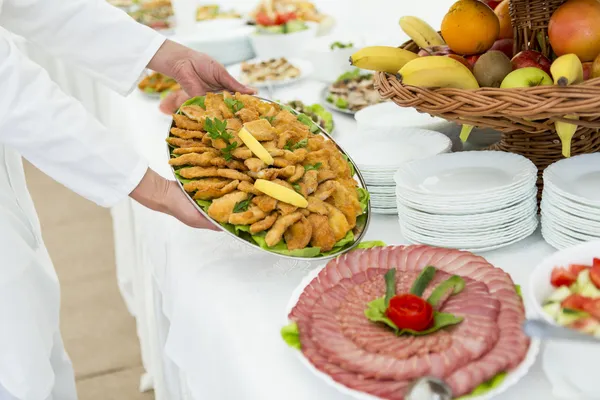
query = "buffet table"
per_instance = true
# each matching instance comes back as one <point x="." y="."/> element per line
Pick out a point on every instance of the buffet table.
<point x="209" y="309"/>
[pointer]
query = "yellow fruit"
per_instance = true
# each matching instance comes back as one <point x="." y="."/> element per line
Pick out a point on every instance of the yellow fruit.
<point x="280" y="193"/>
<point x="437" y="71"/>
<point x="567" y="70"/>
<point x="565" y="132"/>
<point x="382" y="58"/>
<point x="421" y="32"/>
<point x="470" y="27"/>
<point x="255" y="147"/>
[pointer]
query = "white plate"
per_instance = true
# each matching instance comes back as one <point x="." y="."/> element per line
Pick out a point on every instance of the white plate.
<point x="581" y="210"/>
<point x="331" y="106"/>
<point x="384" y="211"/>
<point x="305" y="67"/>
<point x="393" y="151"/>
<point x="577" y="362"/>
<point x="559" y="216"/>
<point x="465" y="173"/>
<point x="511" y="378"/>
<point x="576" y="178"/>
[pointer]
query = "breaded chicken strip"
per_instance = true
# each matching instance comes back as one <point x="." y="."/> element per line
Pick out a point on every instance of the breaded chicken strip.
<point x="261" y="129"/>
<point x="214" y="193"/>
<point x="252" y="215"/>
<point x="325" y="175"/>
<point x="255" y="164"/>
<point x="315" y="142"/>
<point x="298" y="174"/>
<point x="317" y="206"/>
<point x="185" y="134"/>
<point x="285" y="208"/>
<point x="310" y="181"/>
<point x="298" y="235"/>
<point x="264" y="202"/>
<point x="280" y="226"/>
<point x="264" y="224"/>
<point x="242" y="153"/>
<point x="215" y="102"/>
<point x="295" y="157"/>
<point x="183" y="122"/>
<point x="325" y="190"/>
<point x="318" y="157"/>
<point x="247" y="114"/>
<point x="268" y="174"/>
<point x="281" y="162"/>
<point x="233" y="164"/>
<point x="322" y="234"/>
<point x="337" y="221"/>
<point x="200" y="160"/>
<point x="249" y="188"/>
<point x="221" y="209"/>
<point x="197" y="149"/>
<point x="346" y="200"/>
<point x="194" y="112"/>
<point x="179" y="142"/>
<point x="202" y="184"/>
<point x="233" y="125"/>
<point x="200" y="172"/>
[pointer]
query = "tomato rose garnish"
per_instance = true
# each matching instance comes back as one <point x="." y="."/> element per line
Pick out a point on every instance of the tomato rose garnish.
<point x="408" y="311"/>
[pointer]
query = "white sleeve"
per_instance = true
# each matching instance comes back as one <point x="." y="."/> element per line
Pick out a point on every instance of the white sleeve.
<point x="99" y="38"/>
<point x="56" y="134"/>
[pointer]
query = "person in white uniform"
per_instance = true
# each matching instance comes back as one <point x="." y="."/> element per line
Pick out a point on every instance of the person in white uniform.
<point x="56" y="134"/>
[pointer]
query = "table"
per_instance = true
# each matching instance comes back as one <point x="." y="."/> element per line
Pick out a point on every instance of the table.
<point x="214" y="307"/>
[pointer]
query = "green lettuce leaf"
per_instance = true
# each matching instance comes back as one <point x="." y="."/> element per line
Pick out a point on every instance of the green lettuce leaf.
<point x="327" y="117"/>
<point x="204" y="204"/>
<point x="375" y="312"/>
<point x="198" y="101"/>
<point x="518" y="290"/>
<point x="281" y="248"/>
<point x="370" y="244"/>
<point x="182" y="179"/>
<point x="363" y="199"/>
<point x="291" y="335"/>
<point x="485" y="386"/>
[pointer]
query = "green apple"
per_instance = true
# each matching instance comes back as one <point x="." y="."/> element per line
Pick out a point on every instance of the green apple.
<point x="526" y="77"/>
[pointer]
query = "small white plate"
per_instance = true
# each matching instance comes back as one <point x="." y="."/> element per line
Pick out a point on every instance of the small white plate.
<point x="576" y="178"/>
<point x="305" y="67"/>
<point x="465" y="173"/>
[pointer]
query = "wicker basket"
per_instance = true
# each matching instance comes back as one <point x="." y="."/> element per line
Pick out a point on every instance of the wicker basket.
<point x="525" y="116"/>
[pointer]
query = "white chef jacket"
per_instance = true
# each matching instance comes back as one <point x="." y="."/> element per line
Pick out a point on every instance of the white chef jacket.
<point x="56" y="134"/>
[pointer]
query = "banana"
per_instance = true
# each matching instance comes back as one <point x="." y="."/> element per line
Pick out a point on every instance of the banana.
<point x="439" y="71"/>
<point x="421" y="32"/>
<point x="382" y="58"/>
<point x="566" y="70"/>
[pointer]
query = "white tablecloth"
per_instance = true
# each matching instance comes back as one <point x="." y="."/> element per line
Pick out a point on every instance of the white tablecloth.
<point x="216" y="306"/>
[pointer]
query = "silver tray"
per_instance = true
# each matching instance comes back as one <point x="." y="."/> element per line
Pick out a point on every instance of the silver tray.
<point x="361" y="181"/>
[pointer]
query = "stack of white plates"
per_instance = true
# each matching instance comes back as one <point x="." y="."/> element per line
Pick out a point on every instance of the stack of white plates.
<point x="571" y="201"/>
<point x="474" y="201"/>
<point x="379" y="157"/>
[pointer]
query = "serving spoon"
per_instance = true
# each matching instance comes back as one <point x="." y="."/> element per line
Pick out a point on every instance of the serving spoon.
<point x="428" y="388"/>
<point x="544" y="330"/>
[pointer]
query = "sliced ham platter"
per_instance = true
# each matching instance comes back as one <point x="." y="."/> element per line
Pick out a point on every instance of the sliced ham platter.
<point x="372" y="360"/>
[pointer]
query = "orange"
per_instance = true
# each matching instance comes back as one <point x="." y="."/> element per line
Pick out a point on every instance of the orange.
<point x="503" y="13"/>
<point x="470" y="27"/>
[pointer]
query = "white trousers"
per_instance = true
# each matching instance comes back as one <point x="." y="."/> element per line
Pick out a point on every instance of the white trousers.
<point x="64" y="377"/>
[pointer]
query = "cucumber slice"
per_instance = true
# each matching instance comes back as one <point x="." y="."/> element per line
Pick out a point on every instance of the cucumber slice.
<point x="567" y="316"/>
<point x="560" y="294"/>
<point x="583" y="279"/>
<point x="590" y="290"/>
<point x="552" y="309"/>
<point x="422" y="281"/>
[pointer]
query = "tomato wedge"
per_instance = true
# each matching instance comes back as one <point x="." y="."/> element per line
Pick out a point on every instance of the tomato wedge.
<point x="575" y="269"/>
<point x="595" y="275"/>
<point x="262" y="18"/>
<point x="593" y="308"/>
<point x="283" y="18"/>
<point x="562" y="277"/>
<point x="576" y="302"/>
<point x="596" y="262"/>
<point x="408" y="311"/>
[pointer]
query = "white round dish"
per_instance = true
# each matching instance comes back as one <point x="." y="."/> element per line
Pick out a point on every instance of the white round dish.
<point x="511" y="379"/>
<point x="395" y="150"/>
<point x="589" y="225"/>
<point x="331" y="106"/>
<point x="576" y="178"/>
<point x="329" y="64"/>
<point x="465" y="173"/>
<point x="287" y="45"/>
<point x="577" y="361"/>
<point x="573" y="207"/>
<point x="384" y="211"/>
<point x="305" y="67"/>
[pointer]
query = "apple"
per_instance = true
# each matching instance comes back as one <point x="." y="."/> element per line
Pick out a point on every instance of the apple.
<point x="596" y="67"/>
<point x="472" y="59"/>
<point x="530" y="58"/>
<point x="492" y="3"/>
<point x="461" y="60"/>
<point x="526" y="77"/>
<point x="587" y="70"/>
<point x="505" y="46"/>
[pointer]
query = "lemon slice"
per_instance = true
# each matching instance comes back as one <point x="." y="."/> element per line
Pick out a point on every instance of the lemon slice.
<point x="280" y="193"/>
<point x="255" y="147"/>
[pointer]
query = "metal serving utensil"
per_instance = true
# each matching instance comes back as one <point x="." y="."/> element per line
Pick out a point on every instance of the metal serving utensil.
<point x="544" y="330"/>
<point x="428" y="388"/>
<point x="362" y="183"/>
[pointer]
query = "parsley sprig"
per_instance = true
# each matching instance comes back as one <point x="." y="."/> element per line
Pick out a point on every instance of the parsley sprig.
<point x="242" y="205"/>
<point x="217" y="129"/>
<point x="234" y="105"/>
<point x="270" y="119"/>
<point x="291" y="146"/>
<point x="311" y="167"/>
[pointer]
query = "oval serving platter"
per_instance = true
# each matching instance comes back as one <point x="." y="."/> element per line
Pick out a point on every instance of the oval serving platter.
<point x="359" y="232"/>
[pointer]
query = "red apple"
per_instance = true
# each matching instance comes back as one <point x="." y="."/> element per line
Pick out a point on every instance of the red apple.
<point x="530" y="58"/>
<point x="473" y="59"/>
<point x="492" y="3"/>
<point x="587" y="70"/>
<point x="461" y="60"/>
<point x="505" y="46"/>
